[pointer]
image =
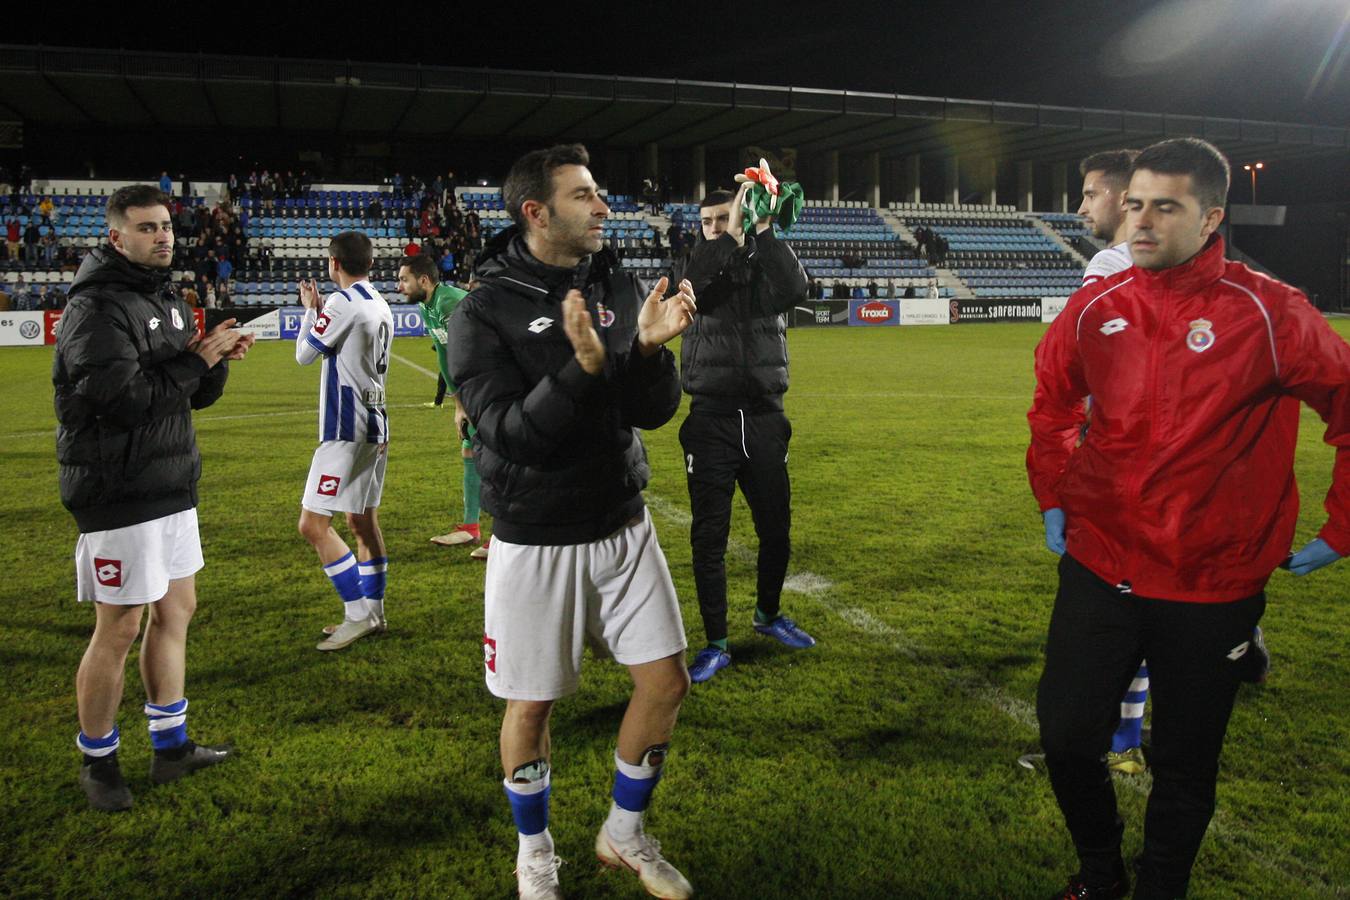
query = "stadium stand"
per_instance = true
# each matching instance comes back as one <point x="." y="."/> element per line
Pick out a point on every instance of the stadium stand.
<point x="846" y="247"/>
<point x="996" y="252"/>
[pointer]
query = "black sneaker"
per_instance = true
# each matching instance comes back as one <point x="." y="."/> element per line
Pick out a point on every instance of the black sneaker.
<point x="103" y="785"/>
<point x="1078" y="889"/>
<point x="165" y="768"/>
<point x="1256" y="664"/>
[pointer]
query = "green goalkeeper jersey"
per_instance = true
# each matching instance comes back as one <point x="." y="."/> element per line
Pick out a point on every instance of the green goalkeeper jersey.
<point x="436" y="312"/>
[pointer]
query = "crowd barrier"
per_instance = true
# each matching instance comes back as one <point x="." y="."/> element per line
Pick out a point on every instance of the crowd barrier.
<point x="925" y="311"/>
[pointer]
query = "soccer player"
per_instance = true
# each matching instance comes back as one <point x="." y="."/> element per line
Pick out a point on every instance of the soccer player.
<point x="1177" y="507"/>
<point x="559" y="361"/>
<point x="352" y="334"/>
<point x="734" y="366"/>
<point x="419" y="281"/>
<point x="1105" y="177"/>
<point x="128" y="371"/>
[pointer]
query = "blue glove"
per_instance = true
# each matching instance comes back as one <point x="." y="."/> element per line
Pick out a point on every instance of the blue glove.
<point x="1054" y="530"/>
<point x="1314" y="555"/>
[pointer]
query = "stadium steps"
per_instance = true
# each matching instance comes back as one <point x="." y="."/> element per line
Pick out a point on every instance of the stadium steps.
<point x="1058" y="239"/>
<point x="898" y="226"/>
<point x="947" y="279"/>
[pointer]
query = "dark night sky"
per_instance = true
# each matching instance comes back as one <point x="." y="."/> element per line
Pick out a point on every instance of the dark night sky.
<point x="1284" y="60"/>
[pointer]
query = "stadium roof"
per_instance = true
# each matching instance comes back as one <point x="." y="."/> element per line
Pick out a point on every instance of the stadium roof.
<point x="87" y="87"/>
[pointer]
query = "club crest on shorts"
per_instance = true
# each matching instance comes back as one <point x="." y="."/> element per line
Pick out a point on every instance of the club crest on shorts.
<point x="328" y="485"/>
<point x="490" y="654"/>
<point x="606" y="315"/>
<point x="1201" y="336"/>
<point x="177" y="318"/>
<point x="108" y="572"/>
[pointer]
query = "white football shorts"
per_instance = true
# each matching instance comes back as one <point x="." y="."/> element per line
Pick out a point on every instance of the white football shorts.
<point x="345" y="477"/>
<point x="134" y="565"/>
<point x="543" y="604"/>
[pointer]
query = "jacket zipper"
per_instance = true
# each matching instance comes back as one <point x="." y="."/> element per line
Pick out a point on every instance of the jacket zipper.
<point x="1136" y="483"/>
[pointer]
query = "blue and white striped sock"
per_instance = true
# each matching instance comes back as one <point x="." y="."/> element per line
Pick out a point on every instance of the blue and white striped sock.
<point x="168" y="724"/>
<point x="373" y="576"/>
<point x="633" y="787"/>
<point x="1130" y="733"/>
<point x="347" y="580"/>
<point x="98" y="748"/>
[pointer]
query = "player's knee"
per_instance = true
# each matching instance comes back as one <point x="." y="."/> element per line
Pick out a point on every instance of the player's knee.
<point x="530" y="713"/>
<point x="120" y="633"/>
<point x="311" y="529"/>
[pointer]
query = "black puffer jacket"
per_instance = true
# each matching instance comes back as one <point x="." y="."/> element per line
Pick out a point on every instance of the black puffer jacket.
<point x="557" y="449"/>
<point x="734" y="355"/>
<point x="125" y="388"/>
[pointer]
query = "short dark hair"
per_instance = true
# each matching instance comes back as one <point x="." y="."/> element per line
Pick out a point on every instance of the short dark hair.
<point x="135" y="196"/>
<point x="531" y="177"/>
<point x="353" y="251"/>
<point x="421" y="264"/>
<point x="716" y="198"/>
<point x="1113" y="164"/>
<point x="1201" y="160"/>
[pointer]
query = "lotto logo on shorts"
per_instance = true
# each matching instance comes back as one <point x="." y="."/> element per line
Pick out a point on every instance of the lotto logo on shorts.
<point x="328" y="485"/>
<point x="490" y="654"/>
<point x="108" y="572"/>
<point x="321" y="324"/>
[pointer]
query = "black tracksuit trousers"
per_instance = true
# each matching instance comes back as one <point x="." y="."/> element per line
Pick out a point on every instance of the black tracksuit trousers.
<point x="1098" y="635"/>
<point x="720" y="452"/>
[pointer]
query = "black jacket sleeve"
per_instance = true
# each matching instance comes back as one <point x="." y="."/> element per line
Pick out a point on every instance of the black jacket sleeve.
<point x="784" y="278"/>
<point x="523" y="423"/>
<point x="106" y="370"/>
<point x="651" y="388"/>
<point x="707" y="262"/>
<point x="211" y="386"/>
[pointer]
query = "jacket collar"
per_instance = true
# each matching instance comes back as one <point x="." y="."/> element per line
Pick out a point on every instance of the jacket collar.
<point x="1192" y="276"/>
<point x="507" y="258"/>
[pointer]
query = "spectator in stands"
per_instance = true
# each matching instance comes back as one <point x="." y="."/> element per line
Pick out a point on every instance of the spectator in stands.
<point x="189" y="294"/>
<point x="412" y="248"/>
<point x="934" y="292"/>
<point x="23" y="297"/>
<point x="184" y="223"/>
<point x="6" y="185"/>
<point x="396" y="182"/>
<point x="49" y="249"/>
<point x="166" y="183"/>
<point x="473" y="230"/>
<point x="185" y="187"/>
<point x="942" y="246"/>
<point x="447" y="266"/>
<point x="210" y="297"/>
<point x="14" y="238"/>
<point x="268" y="192"/>
<point x="31" y="236"/>
<point x="45" y="209"/>
<point x="25" y="183"/>
<point x="873" y="289"/>
<point x="224" y="269"/>
<point x="6" y="302"/>
<point x="375" y="212"/>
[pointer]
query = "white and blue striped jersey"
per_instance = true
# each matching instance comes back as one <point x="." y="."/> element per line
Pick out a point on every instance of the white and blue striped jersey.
<point x="352" y="334"/>
<point x="1108" y="262"/>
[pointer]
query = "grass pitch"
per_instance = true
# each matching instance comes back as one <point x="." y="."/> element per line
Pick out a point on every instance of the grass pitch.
<point x="882" y="763"/>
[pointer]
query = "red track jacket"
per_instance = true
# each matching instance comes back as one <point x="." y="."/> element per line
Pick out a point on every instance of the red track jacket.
<point x="1184" y="486"/>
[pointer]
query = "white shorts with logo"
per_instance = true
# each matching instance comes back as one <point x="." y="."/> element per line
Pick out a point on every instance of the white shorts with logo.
<point x="544" y="604"/>
<point x="345" y="477"/>
<point x="134" y="565"/>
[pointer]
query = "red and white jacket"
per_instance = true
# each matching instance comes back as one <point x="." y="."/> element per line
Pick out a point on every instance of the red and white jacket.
<point x="1184" y="486"/>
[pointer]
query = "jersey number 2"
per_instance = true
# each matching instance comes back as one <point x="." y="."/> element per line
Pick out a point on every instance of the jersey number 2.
<point x="382" y="350"/>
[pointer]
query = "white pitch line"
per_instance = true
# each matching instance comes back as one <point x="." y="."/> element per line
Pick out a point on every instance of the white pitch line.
<point x="201" y="420"/>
